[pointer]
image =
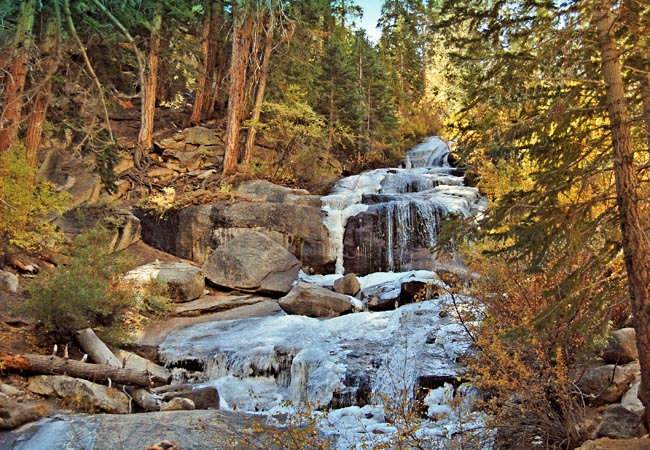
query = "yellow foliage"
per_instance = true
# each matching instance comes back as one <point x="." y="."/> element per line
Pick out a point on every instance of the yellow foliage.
<point x="26" y="207"/>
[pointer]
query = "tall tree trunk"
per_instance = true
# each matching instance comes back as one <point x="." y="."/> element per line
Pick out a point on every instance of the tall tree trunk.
<point x="216" y="22"/>
<point x="240" y="45"/>
<point x="150" y="85"/>
<point x="13" y="99"/>
<point x="645" y="98"/>
<point x="636" y="247"/>
<point x="259" y="96"/>
<point x="202" y="88"/>
<point x="50" y="48"/>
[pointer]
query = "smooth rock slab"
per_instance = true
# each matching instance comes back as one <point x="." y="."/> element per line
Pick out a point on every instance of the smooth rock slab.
<point x="184" y="281"/>
<point x="215" y="303"/>
<point x="253" y="262"/>
<point x="83" y="392"/>
<point x="314" y="301"/>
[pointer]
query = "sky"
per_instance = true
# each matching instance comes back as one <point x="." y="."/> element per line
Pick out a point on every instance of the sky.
<point x="371" y="13"/>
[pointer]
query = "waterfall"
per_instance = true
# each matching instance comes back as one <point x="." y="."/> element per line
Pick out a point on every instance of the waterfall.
<point x="404" y="205"/>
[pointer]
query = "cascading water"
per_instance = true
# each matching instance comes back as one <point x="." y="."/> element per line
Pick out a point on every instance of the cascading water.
<point x="388" y="219"/>
<point x="382" y="221"/>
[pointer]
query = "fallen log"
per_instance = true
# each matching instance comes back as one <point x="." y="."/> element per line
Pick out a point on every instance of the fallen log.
<point x="100" y="353"/>
<point x="42" y="364"/>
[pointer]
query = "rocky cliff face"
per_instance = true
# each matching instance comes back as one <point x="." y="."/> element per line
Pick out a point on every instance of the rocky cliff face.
<point x="290" y="217"/>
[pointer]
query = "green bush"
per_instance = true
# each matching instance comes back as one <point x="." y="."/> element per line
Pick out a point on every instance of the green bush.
<point x="89" y="292"/>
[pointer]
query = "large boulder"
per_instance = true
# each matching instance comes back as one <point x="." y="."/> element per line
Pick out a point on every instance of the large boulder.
<point x="83" y="393"/>
<point x="75" y="175"/>
<point x="621" y="348"/>
<point x="290" y="217"/>
<point x="620" y="423"/>
<point x="13" y="414"/>
<point x="607" y="383"/>
<point x="314" y="301"/>
<point x="252" y="262"/>
<point x="123" y="225"/>
<point x="630" y="399"/>
<point x="348" y="285"/>
<point x="184" y="281"/>
<point x="203" y="398"/>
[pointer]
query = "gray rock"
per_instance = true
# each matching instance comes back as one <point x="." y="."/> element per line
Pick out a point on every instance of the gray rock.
<point x="136" y="431"/>
<point x="314" y="301"/>
<point x="9" y="390"/>
<point x="8" y="282"/>
<point x="184" y="281"/>
<point x="215" y="303"/>
<point x="87" y="394"/>
<point x="201" y="136"/>
<point x="348" y="285"/>
<point x="178" y="404"/>
<point x="252" y="262"/>
<point x="620" y="423"/>
<point x="608" y="383"/>
<point x="136" y="362"/>
<point x="621" y="348"/>
<point x="124" y="226"/>
<point x="630" y="399"/>
<point x="13" y="415"/>
<point x="290" y="217"/>
<point x="202" y="398"/>
<point x="172" y="143"/>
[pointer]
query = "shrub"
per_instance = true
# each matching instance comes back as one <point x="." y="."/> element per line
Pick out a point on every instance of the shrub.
<point x="89" y="292"/>
<point x="26" y="207"/>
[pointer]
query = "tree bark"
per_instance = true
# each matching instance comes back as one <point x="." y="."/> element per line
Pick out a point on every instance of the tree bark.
<point x="43" y="364"/>
<point x="202" y="88"/>
<point x="101" y="354"/>
<point x="645" y="99"/>
<point x="50" y="49"/>
<point x="13" y="99"/>
<point x="259" y="96"/>
<point x="213" y="79"/>
<point x="636" y="247"/>
<point x="240" y="46"/>
<point x="150" y="85"/>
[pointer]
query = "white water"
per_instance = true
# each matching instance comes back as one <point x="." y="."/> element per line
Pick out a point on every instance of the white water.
<point x="425" y="186"/>
<point x="353" y="365"/>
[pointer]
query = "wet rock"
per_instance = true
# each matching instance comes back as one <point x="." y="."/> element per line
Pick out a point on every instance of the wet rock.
<point x="178" y="404"/>
<point x="184" y="281"/>
<point x="621" y="348"/>
<point x="8" y="282"/>
<point x="348" y="285"/>
<point x="252" y="262"/>
<point x="314" y="301"/>
<point x="608" y="383"/>
<point x="202" y="398"/>
<point x="620" y="423"/>
<point x="82" y="392"/>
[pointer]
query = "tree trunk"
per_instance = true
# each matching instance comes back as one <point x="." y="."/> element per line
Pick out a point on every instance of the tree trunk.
<point x="259" y="96"/>
<point x="202" y="88"/>
<point x="101" y="354"/>
<point x="636" y="247"/>
<point x="216" y="22"/>
<point x="150" y="86"/>
<point x="13" y="99"/>
<point x="240" y="46"/>
<point x="96" y="349"/>
<point x="645" y="98"/>
<point x="44" y="364"/>
<point x="50" y="49"/>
